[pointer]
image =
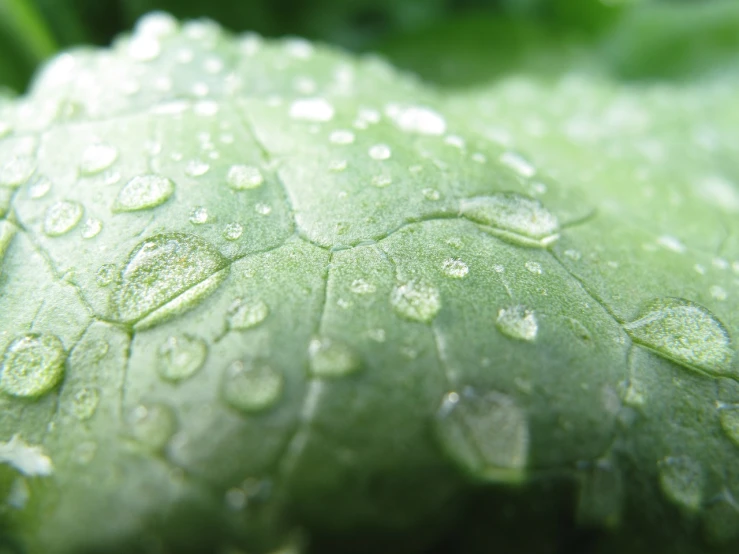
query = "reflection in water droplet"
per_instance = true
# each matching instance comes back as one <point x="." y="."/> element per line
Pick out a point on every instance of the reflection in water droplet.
<point x="455" y="268"/>
<point x="91" y="228"/>
<point x="682" y="481"/>
<point x="143" y="192"/>
<point x="244" y="177"/>
<point x="416" y="300"/>
<point x="331" y="358"/>
<point x="97" y="157"/>
<point x="32" y="365"/>
<point x="233" y="231"/>
<point x="199" y="216"/>
<point x="243" y="315"/>
<point x="518" y="322"/>
<point x="153" y="425"/>
<point x="180" y="357"/>
<point x="513" y="217"/>
<point x="486" y="435"/>
<point x="84" y="403"/>
<point x="251" y="386"/>
<point x="685" y="333"/>
<point x="62" y="217"/>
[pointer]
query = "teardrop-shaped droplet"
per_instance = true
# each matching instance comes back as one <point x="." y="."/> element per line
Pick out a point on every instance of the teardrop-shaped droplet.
<point x="517" y="322"/>
<point x="62" y="217"/>
<point x="180" y="357"/>
<point x="251" y="386"/>
<point x="487" y="435"/>
<point x="32" y="365"/>
<point x="143" y="192"/>
<point x="685" y="333"/>
<point x="245" y="314"/>
<point x="153" y="425"/>
<point x="332" y="358"/>
<point x="166" y="275"/>
<point x="416" y="300"/>
<point x="682" y="481"/>
<point x="513" y="217"/>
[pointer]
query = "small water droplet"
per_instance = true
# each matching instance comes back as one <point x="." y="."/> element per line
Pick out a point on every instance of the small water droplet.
<point x="91" y="228"/>
<point x="341" y="137"/>
<point x="486" y="435"/>
<point x="62" y="217"/>
<point x="418" y="119"/>
<point x="196" y="168"/>
<point x="233" y="231"/>
<point x="332" y="358"/>
<point x="455" y="141"/>
<point x="518" y="163"/>
<point x="84" y="403"/>
<point x="685" y="333"/>
<point x="719" y="293"/>
<point x="360" y="286"/>
<point x="153" y="425"/>
<point x="199" y="215"/>
<point x="381" y="181"/>
<point x="377" y="335"/>
<point x="431" y="194"/>
<point x="573" y="254"/>
<point x="682" y="481"/>
<point x="97" y="157"/>
<point x="263" y="209"/>
<point x="671" y="243"/>
<point x="251" y="386"/>
<point x="143" y="192"/>
<point x="39" y="188"/>
<point x="513" y="217"/>
<point x="244" y="177"/>
<point x="455" y="268"/>
<point x="518" y="322"/>
<point x="16" y="171"/>
<point x="416" y="300"/>
<point x="533" y="267"/>
<point x="32" y="365"/>
<point x="337" y="165"/>
<point x="180" y="357"/>
<point x="380" y="152"/>
<point x="312" y="109"/>
<point x="243" y="315"/>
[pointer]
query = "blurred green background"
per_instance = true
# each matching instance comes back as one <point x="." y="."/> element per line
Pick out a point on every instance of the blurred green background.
<point x="454" y="43"/>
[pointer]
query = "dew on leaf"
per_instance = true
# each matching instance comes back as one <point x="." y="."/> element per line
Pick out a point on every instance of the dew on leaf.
<point x="244" y="177"/>
<point x="243" y="315"/>
<point x="233" y="231"/>
<point x="533" y="267"/>
<point x="144" y="48"/>
<point x="337" y="165"/>
<point x="61" y="217"/>
<point x="153" y="425"/>
<point x="719" y="293"/>
<point x="517" y="322"/>
<point x="455" y="268"/>
<point x="682" y="481"/>
<point x="199" y="215"/>
<point x="518" y="163"/>
<point x="39" y="188"/>
<point x="166" y="275"/>
<point x="685" y="333"/>
<point x="418" y="119"/>
<point x="380" y="152"/>
<point x="105" y="275"/>
<point x="91" y="228"/>
<point x="180" y="357"/>
<point x="97" y="157"/>
<point x="430" y="194"/>
<point x="671" y="243"/>
<point x="32" y="365"/>
<point x="360" y="286"/>
<point x="143" y="192"/>
<point x="341" y="137"/>
<point x="487" y="435"/>
<point x="416" y="300"/>
<point x="312" y="109"/>
<point x="332" y="358"/>
<point x="16" y="171"/>
<point x="381" y="181"/>
<point x="519" y="219"/>
<point x="262" y="208"/>
<point x="84" y="402"/>
<point x="251" y="386"/>
<point x="196" y="168"/>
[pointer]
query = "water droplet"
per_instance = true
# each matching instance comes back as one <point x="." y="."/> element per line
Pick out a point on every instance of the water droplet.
<point x="40" y="188"/>
<point x="32" y="365"/>
<point x="455" y="140"/>
<point x="180" y="357"/>
<point x="360" y="286"/>
<point x="243" y="315"/>
<point x="331" y="358"/>
<point x="251" y="386"/>
<point x="97" y="157"/>
<point x="518" y="163"/>
<point x="5" y="128"/>
<point x="91" y="228"/>
<point x="144" y="48"/>
<point x="380" y="152"/>
<point x="196" y="168"/>
<point x="513" y="217"/>
<point x="263" y="209"/>
<point x="105" y="275"/>
<point x="719" y="293"/>
<point x="199" y="215"/>
<point x="517" y="322"/>
<point x="341" y="137"/>
<point x="312" y="109"/>
<point x="244" y="177"/>
<point x="381" y="181"/>
<point x="455" y="268"/>
<point x="418" y="119"/>
<point x="682" y="481"/>
<point x="431" y="194"/>
<point x="416" y="300"/>
<point x="233" y="231"/>
<point x="487" y="435"/>
<point x="16" y="171"/>
<point x="62" y="217"/>
<point x="533" y="267"/>
<point x="166" y="275"/>
<point x="153" y="425"/>
<point x="143" y="192"/>
<point x="299" y="48"/>
<point x="671" y="243"/>
<point x="685" y="333"/>
<point x="84" y="403"/>
<point x="337" y="165"/>
<point x="574" y="255"/>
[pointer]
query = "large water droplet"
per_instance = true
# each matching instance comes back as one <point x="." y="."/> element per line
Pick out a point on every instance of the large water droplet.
<point x="518" y="322"/>
<point x="84" y="403"/>
<point x="180" y="357"/>
<point x="153" y="425"/>
<point x="143" y="192"/>
<point x="244" y="315"/>
<point x="487" y="435"/>
<point x="97" y="157"/>
<point x="682" y="481"/>
<point x="513" y="217"/>
<point x="685" y="333"/>
<point x="62" y="217"/>
<point x="166" y="275"/>
<point x="331" y="358"/>
<point x="244" y="177"/>
<point x="416" y="300"/>
<point x="32" y="365"/>
<point x="251" y="386"/>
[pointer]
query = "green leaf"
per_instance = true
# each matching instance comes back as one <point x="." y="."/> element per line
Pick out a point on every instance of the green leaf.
<point x="264" y="294"/>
